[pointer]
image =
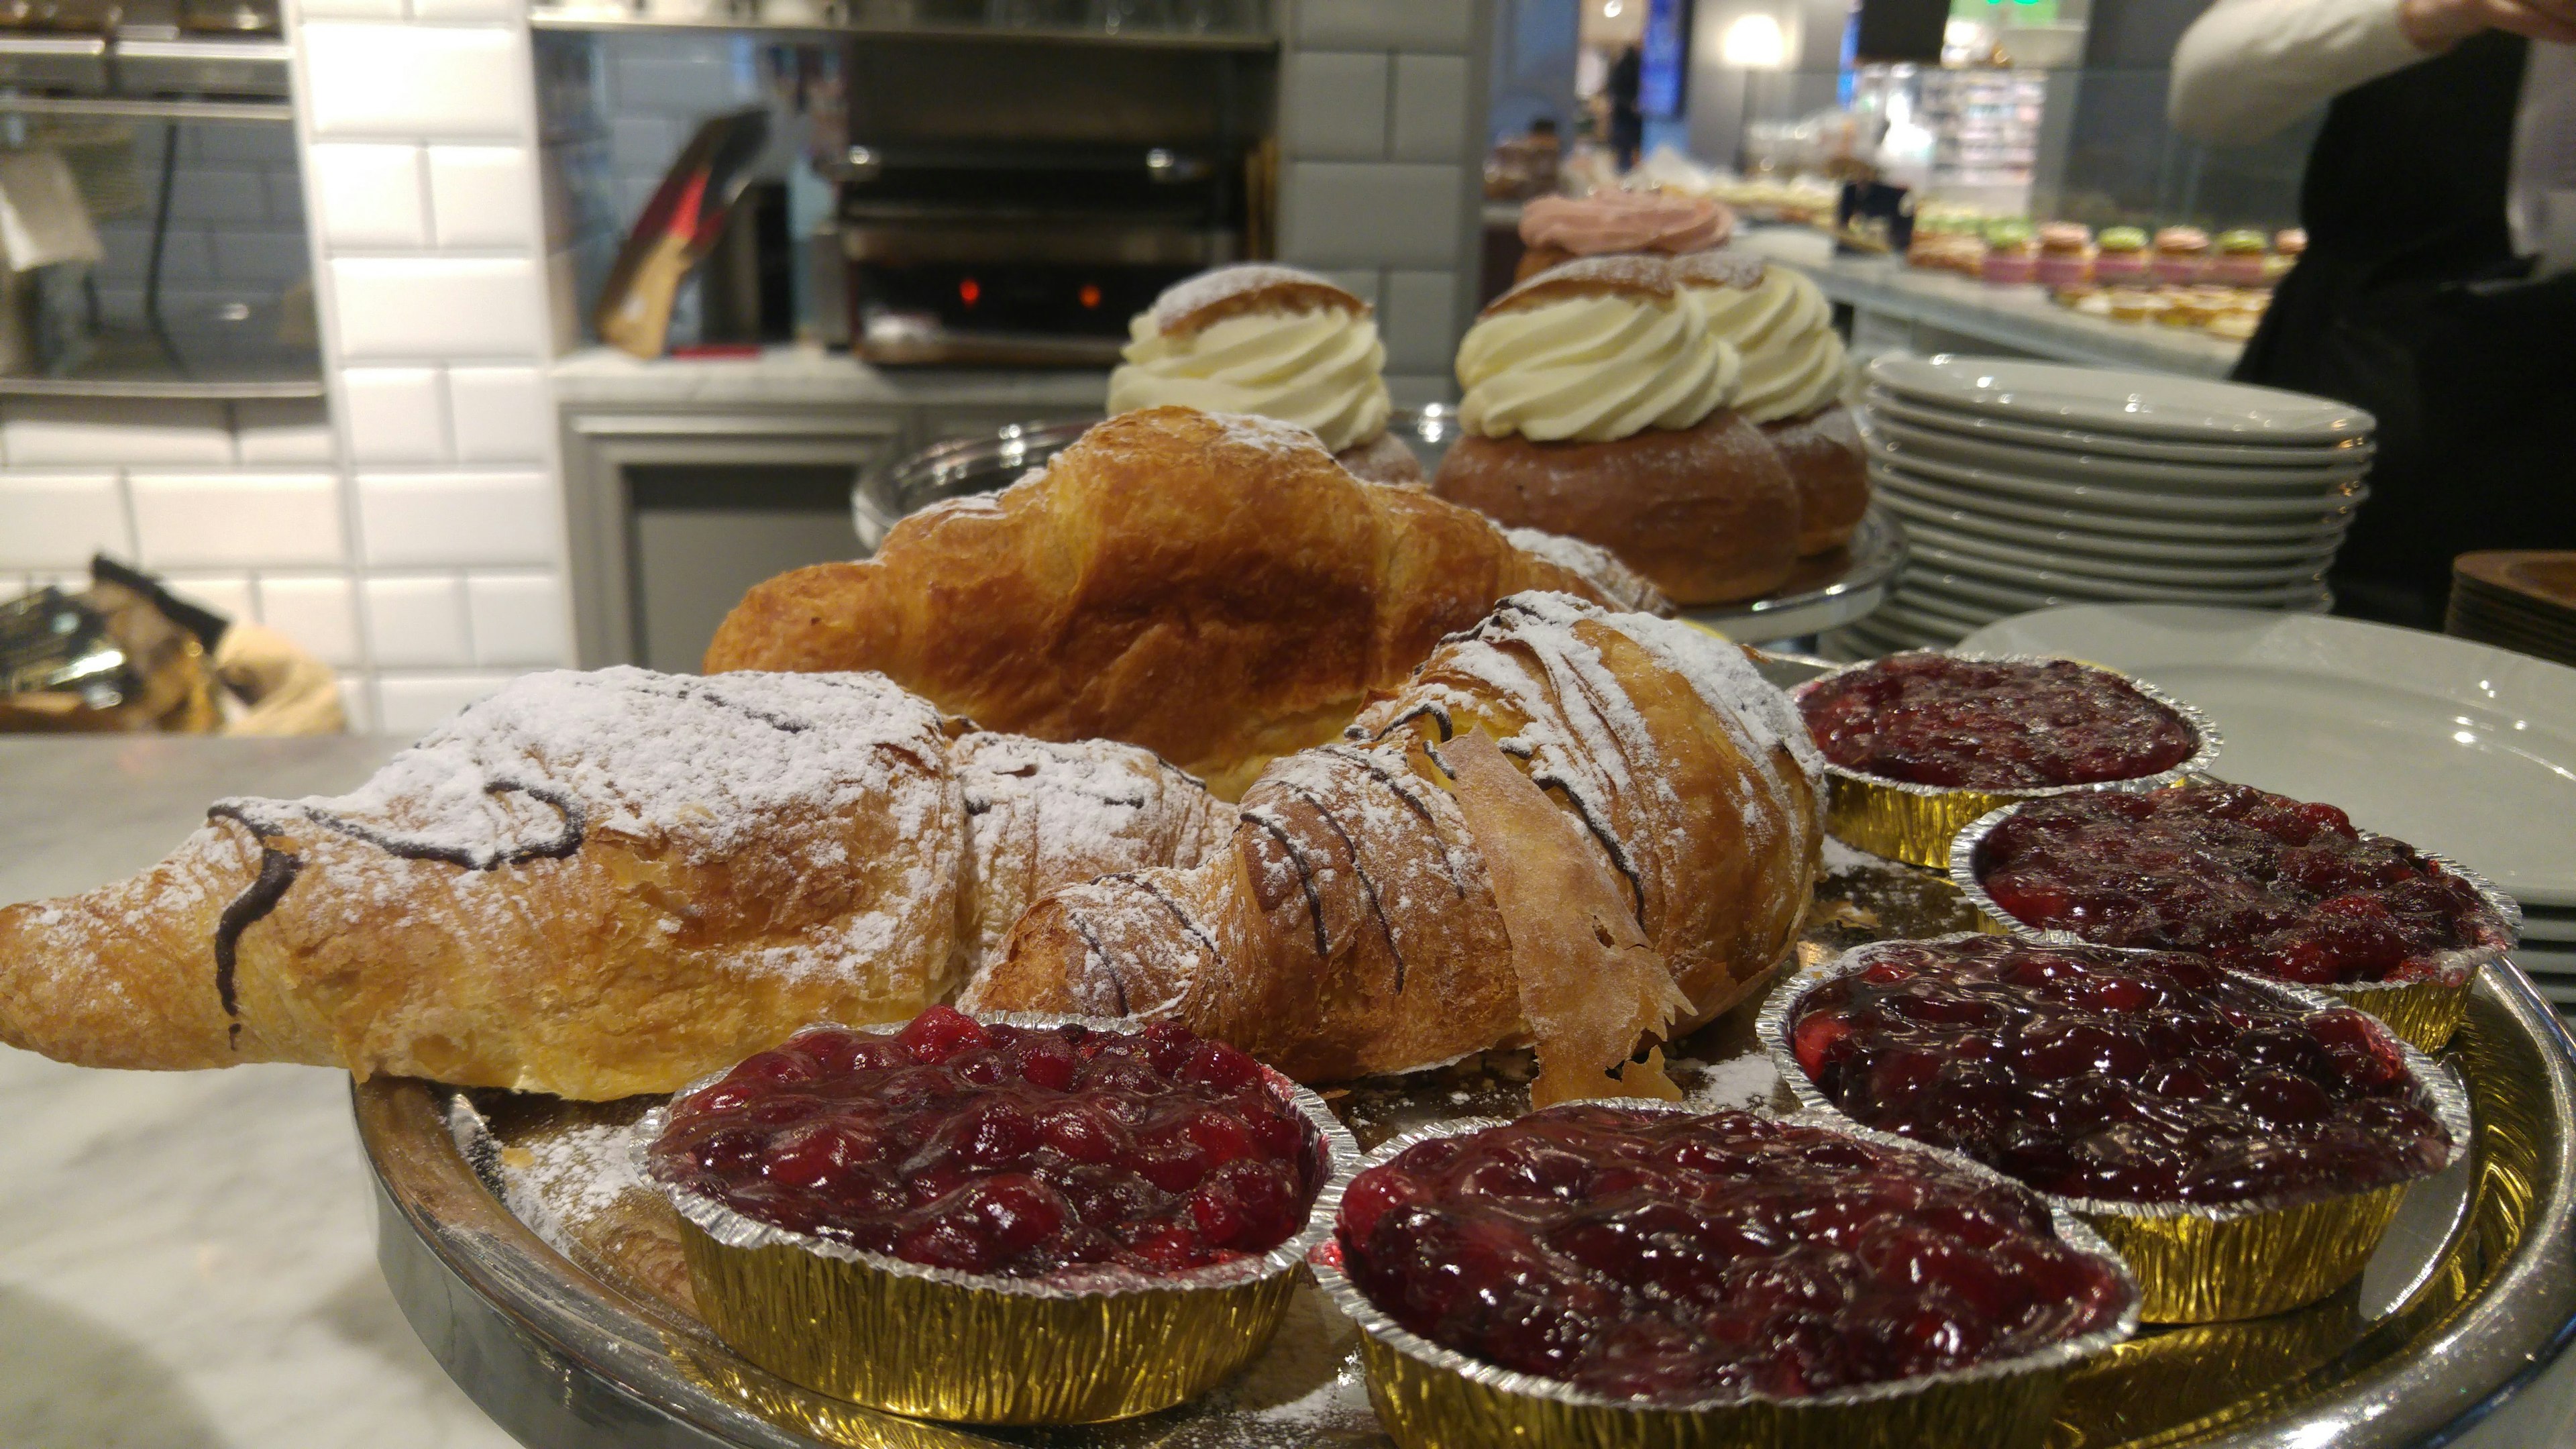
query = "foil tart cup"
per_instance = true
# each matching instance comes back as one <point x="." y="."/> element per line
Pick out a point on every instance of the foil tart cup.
<point x="2425" y="1009"/>
<point x="1431" y="1397"/>
<point x="1915" y="823"/>
<point x="1081" y="1347"/>
<point x="2197" y="1262"/>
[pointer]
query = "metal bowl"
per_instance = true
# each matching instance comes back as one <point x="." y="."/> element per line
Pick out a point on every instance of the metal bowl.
<point x="1827" y="591"/>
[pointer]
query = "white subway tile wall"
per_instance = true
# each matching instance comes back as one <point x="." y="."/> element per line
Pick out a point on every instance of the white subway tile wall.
<point x="436" y="323"/>
<point x="419" y="520"/>
<point x="247" y="520"/>
<point x="369" y="194"/>
<point x="317" y="611"/>
<point x="1381" y="114"/>
<point x="57" y="520"/>
<point x="418" y="622"/>
<point x="288" y="431"/>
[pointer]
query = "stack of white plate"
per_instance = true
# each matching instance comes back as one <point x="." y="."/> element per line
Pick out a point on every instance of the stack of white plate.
<point x="2027" y="485"/>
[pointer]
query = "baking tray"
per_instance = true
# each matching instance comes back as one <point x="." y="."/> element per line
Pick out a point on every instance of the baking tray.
<point x="577" y="1334"/>
<point x="1825" y="592"/>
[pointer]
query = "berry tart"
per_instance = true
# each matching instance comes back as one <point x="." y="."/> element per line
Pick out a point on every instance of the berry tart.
<point x="1918" y="744"/>
<point x="2258" y="883"/>
<point x="1632" y="1273"/>
<point x="2242" y="1143"/>
<point x="1018" y="1220"/>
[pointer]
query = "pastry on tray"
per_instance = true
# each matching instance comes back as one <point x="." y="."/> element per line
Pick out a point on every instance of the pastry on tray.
<point x="1606" y="1274"/>
<point x="2255" y="881"/>
<point x="1792" y="383"/>
<point x="1559" y="229"/>
<point x="1597" y="405"/>
<point x="1920" y="744"/>
<point x="1065" y="1221"/>
<point x="593" y="885"/>
<point x="1214" y="588"/>
<point x="2175" y="1105"/>
<point x="1572" y="826"/>
<point x="1273" y="341"/>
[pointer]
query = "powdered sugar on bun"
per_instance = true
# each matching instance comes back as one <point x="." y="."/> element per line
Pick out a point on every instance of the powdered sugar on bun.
<point x="1212" y="296"/>
<point x="1644" y="278"/>
<point x="1622" y="586"/>
<point x="1260" y="339"/>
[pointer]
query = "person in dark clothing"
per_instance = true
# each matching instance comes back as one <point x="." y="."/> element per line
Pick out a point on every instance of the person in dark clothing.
<point x="1627" y="123"/>
<point x="2438" y="289"/>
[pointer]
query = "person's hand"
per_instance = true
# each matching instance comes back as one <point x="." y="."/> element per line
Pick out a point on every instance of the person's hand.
<point x="2436" y="25"/>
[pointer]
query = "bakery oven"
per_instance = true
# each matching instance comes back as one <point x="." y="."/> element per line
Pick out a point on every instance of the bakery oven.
<point x="1014" y="202"/>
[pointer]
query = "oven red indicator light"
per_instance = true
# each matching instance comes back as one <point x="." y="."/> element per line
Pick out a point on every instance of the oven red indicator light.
<point x="968" y="291"/>
<point x="1090" y="294"/>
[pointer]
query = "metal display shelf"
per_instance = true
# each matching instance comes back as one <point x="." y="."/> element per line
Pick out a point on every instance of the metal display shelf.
<point x="148" y="110"/>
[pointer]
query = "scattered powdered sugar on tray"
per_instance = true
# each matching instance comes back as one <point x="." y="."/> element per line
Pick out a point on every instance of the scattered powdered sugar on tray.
<point x="558" y="1182"/>
<point x="1841" y="858"/>
<point x="1744" y="1083"/>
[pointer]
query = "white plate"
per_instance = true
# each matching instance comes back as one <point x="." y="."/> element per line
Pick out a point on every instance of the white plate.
<point x="2076" y="440"/>
<point x="2553" y="928"/>
<point x="1928" y="614"/>
<point x="2453" y="746"/>
<point x="2024" y="589"/>
<point x="1929" y="493"/>
<point x="2199" y="508"/>
<point x="2320" y="544"/>
<point x="2328" y="487"/>
<point x="2094" y="467"/>
<point x="2142" y="404"/>
<point x="1940" y="545"/>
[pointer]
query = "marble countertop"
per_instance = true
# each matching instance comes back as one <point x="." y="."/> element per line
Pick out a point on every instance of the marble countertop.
<point x="809" y="376"/>
<point x="2021" y="318"/>
<point x="187" y="1259"/>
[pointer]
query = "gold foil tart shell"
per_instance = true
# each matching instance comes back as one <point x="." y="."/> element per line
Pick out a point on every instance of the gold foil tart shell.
<point x="2197" y="1263"/>
<point x="2426" y="1010"/>
<point x="1915" y="823"/>
<point x="1095" y="1345"/>
<point x="1431" y="1397"/>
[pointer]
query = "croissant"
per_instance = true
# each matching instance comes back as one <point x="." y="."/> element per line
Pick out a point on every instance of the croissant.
<point x="594" y="885"/>
<point x="1212" y="587"/>
<point x="1405" y="897"/>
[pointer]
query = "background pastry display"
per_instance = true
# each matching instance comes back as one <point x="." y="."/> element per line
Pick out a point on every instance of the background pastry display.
<point x="1216" y="589"/>
<point x="1274" y="342"/>
<point x="1557" y="229"/>
<point x="1574" y="825"/>
<point x="1602" y="402"/>
<point x="593" y="885"/>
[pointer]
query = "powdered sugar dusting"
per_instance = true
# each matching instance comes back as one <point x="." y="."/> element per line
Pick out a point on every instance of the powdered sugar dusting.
<point x="704" y="765"/>
<point x="1620" y="585"/>
<point x="1225" y="284"/>
<point x="1269" y="435"/>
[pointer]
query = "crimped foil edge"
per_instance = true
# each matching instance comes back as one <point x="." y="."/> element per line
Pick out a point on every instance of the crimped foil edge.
<point x="2205" y="735"/>
<point x="2077" y="1234"/>
<point x="736" y="1229"/>
<point x="2450" y="1100"/>
<point x="2453" y="968"/>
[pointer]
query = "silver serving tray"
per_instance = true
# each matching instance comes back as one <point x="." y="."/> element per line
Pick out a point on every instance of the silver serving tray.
<point x="2470" y="1297"/>
<point x="1825" y="593"/>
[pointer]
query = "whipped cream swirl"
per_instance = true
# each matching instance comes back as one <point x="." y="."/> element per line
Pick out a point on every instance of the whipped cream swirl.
<point x="1784" y="327"/>
<point x="1320" y="369"/>
<point x="1591" y="368"/>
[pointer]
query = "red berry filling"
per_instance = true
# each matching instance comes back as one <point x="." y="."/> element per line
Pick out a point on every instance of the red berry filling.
<point x="1672" y="1258"/>
<point x="1931" y="719"/>
<point x="2254" y="881"/>
<point x="1003" y="1149"/>
<point x="2128" y="1077"/>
